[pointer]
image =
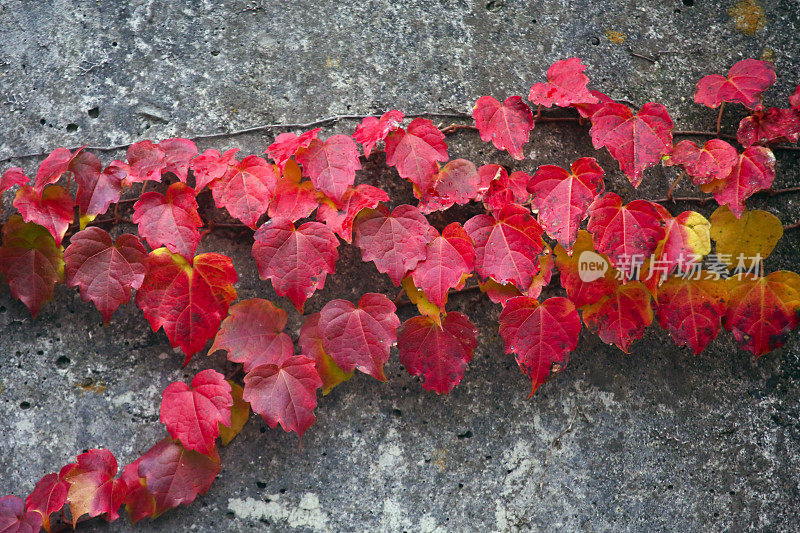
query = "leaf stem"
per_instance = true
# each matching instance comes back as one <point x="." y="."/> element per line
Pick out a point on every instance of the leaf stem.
<point x="674" y="183"/>
<point x="719" y="118"/>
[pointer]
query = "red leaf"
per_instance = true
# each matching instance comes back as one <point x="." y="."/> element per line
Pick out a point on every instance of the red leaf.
<point x="566" y="85"/>
<point x="92" y="486"/>
<point x="246" y="189"/>
<point x="761" y="312"/>
<point x="14" y="518"/>
<point x="636" y="141"/>
<point x="97" y="188"/>
<point x="175" y="475"/>
<point x="292" y="199"/>
<point x="353" y="202"/>
<point x="588" y="110"/>
<point x="189" y="300"/>
<point x="621" y="317"/>
<point x="13" y="176"/>
<point x="505" y="190"/>
<point x="331" y="165"/>
<point x="582" y="285"/>
<point x="287" y="144"/>
<point x="563" y="198"/>
<point x="284" y="393"/>
<point x="31" y="262"/>
<point x="253" y="334"/>
<point x="713" y="161"/>
<point x="448" y="259"/>
<point x="170" y="220"/>
<point x="193" y="415"/>
<point x="541" y="335"/>
<point x="625" y="232"/>
<point x="745" y="82"/>
<point x="138" y="501"/>
<point x="52" y="210"/>
<point x="774" y="126"/>
<point x="211" y="165"/>
<point x="754" y="171"/>
<point x="691" y="309"/>
<point x="438" y="353"/>
<point x="794" y="99"/>
<point x="415" y="151"/>
<point x="394" y="242"/>
<point x="487" y="175"/>
<point x="53" y="167"/>
<point x="311" y="347"/>
<point x="507" y="125"/>
<point x="178" y="156"/>
<point x="360" y="337"/>
<point x="49" y="496"/>
<point x="296" y="260"/>
<point x="457" y="182"/>
<point x="147" y="161"/>
<point x="372" y="130"/>
<point x="103" y="269"/>
<point x="506" y="245"/>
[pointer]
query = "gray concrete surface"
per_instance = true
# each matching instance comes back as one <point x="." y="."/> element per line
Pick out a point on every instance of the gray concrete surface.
<point x="652" y="441"/>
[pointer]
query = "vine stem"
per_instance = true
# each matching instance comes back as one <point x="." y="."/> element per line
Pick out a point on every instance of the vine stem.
<point x="338" y="118"/>
<point x="253" y="129"/>
<point x="702" y="200"/>
<point x="719" y="118"/>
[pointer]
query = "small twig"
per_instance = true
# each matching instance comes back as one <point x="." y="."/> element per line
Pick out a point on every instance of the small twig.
<point x="719" y="118"/>
<point x="229" y="225"/>
<point x="452" y="128"/>
<point x="674" y="183"/>
<point x="538" y="113"/>
<point x="553" y="444"/>
<point x="640" y="56"/>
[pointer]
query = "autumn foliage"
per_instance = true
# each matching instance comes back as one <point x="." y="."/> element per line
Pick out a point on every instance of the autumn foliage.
<point x="652" y="265"/>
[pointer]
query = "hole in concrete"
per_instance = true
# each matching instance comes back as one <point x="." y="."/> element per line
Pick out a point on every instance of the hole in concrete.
<point x="42" y="122"/>
<point x="689" y="3"/>
<point x="114" y="43"/>
<point x="494" y="5"/>
<point x="595" y="41"/>
<point x="397" y="412"/>
<point x="261" y="485"/>
<point x="94" y="112"/>
<point x="72" y="127"/>
<point x="63" y="361"/>
<point x="25" y="405"/>
<point x="215" y="53"/>
<point x="39" y="352"/>
<point x="466" y="435"/>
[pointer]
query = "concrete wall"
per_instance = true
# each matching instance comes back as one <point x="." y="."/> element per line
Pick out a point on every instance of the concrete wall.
<point x="654" y="440"/>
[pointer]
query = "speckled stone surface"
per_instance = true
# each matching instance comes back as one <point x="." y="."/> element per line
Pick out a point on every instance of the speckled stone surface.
<point x="655" y="440"/>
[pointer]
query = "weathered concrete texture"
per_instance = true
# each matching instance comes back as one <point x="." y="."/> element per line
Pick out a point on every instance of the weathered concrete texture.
<point x="655" y="440"/>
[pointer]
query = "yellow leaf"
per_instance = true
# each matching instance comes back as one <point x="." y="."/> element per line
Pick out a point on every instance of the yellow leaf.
<point x="756" y="232"/>
<point x="418" y="298"/>
<point x="240" y="412"/>
<point x="85" y="219"/>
